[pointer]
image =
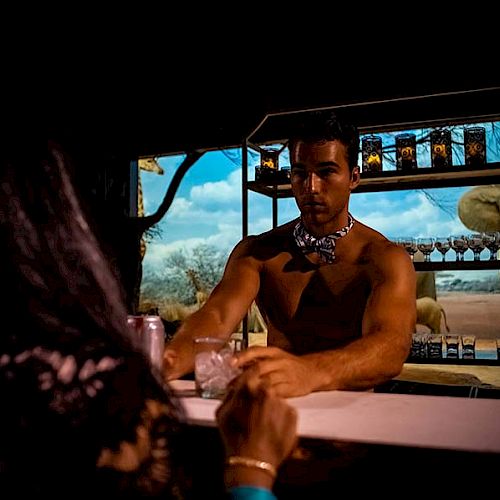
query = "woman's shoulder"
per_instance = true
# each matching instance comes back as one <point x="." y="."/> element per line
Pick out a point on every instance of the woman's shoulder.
<point x="91" y="413"/>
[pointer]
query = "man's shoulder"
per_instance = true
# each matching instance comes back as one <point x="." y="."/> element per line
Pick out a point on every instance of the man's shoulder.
<point x="377" y="249"/>
<point x="282" y="232"/>
<point x="368" y="238"/>
<point x="269" y="243"/>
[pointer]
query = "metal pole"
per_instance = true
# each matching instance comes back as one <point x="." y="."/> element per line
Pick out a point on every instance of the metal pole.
<point x="275" y="211"/>
<point x="244" y="225"/>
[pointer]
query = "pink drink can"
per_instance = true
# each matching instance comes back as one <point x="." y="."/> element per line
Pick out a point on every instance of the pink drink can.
<point x="135" y="324"/>
<point x="153" y="339"/>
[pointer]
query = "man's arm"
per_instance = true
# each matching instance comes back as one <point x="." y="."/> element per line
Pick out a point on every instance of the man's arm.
<point x="388" y="324"/>
<point x="380" y="353"/>
<point x="221" y="314"/>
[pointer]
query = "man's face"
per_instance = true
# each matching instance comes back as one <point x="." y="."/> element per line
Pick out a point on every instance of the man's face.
<point x="321" y="182"/>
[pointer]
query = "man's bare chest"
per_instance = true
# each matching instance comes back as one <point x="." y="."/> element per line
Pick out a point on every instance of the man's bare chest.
<point x="332" y="284"/>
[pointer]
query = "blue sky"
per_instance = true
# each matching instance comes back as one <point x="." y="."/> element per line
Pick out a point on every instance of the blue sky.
<point x="207" y="207"/>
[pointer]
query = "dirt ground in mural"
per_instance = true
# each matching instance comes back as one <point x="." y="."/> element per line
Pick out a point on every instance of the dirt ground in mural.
<point x="467" y="314"/>
<point x="470" y="314"/>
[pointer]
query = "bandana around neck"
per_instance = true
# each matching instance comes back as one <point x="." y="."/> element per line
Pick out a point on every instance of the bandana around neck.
<point x="325" y="246"/>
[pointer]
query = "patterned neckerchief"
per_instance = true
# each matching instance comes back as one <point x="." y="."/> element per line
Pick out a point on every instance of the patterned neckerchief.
<point x="325" y="246"/>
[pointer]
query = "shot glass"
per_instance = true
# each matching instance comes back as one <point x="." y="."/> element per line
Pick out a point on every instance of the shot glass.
<point x="435" y="346"/>
<point x="419" y="345"/>
<point x="212" y="366"/>
<point x="452" y="346"/>
<point x="468" y="346"/>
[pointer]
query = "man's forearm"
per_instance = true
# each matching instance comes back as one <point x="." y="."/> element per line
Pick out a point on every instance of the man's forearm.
<point x="360" y="365"/>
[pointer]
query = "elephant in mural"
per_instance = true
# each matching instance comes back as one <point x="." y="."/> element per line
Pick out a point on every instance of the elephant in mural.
<point x="479" y="208"/>
<point x="429" y="313"/>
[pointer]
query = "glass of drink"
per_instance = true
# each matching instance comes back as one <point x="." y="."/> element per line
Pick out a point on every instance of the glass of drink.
<point x="442" y="245"/>
<point x="492" y="243"/>
<point x="212" y="366"/>
<point x="426" y="246"/>
<point x="459" y="244"/>
<point x="476" y="244"/>
<point x="409" y="244"/>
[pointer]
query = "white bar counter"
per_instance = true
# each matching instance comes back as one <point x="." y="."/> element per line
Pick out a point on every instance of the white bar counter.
<point x="366" y="417"/>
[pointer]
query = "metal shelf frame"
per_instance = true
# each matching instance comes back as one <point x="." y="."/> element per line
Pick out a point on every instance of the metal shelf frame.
<point x="420" y="178"/>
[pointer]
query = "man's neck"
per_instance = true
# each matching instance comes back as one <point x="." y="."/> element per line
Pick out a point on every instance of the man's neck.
<point x="321" y="230"/>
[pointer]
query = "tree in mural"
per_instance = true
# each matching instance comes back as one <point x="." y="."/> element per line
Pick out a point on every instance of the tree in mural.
<point x="185" y="276"/>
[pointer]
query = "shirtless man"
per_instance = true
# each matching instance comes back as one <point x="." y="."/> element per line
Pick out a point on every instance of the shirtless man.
<point x="337" y="296"/>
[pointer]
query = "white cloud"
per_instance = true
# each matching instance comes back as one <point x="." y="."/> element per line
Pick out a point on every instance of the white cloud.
<point x="184" y="210"/>
<point x="180" y="208"/>
<point x="225" y="237"/>
<point x="413" y="215"/>
<point x="220" y="192"/>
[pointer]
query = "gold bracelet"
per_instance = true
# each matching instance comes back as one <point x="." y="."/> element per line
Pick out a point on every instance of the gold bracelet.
<point x="252" y="462"/>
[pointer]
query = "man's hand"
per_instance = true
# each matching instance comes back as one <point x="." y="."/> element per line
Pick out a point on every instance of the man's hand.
<point x="286" y="374"/>
<point x="171" y="365"/>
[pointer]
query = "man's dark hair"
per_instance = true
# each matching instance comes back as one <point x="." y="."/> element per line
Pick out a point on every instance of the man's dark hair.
<point x="327" y="126"/>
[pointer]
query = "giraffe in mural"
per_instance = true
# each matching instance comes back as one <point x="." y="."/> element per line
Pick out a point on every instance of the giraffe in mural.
<point x="201" y="291"/>
<point x="148" y="165"/>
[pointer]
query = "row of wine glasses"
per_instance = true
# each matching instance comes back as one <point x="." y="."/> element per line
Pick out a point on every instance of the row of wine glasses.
<point x="476" y="242"/>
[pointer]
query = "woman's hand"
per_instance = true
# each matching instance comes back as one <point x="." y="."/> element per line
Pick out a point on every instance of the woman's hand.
<point x="255" y="423"/>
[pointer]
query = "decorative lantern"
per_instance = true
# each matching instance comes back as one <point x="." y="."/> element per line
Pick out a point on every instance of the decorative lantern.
<point x="372" y="153"/>
<point x="269" y="158"/>
<point x="475" y="146"/>
<point x="406" y="152"/>
<point x="268" y="169"/>
<point x="441" y="154"/>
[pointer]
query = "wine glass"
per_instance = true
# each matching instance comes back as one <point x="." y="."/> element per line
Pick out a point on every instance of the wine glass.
<point x="476" y="244"/>
<point x="442" y="245"/>
<point x="409" y="244"/>
<point x="459" y="244"/>
<point x="426" y="246"/>
<point x="492" y="243"/>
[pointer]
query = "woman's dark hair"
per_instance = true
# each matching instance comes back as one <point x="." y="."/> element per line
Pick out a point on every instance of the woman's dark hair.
<point x="51" y="266"/>
<point x="64" y="328"/>
<point x="326" y="125"/>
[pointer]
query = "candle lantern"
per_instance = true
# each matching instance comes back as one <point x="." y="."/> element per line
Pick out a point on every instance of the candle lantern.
<point x="268" y="169"/>
<point x="269" y="159"/>
<point x="406" y="152"/>
<point x="371" y="152"/>
<point x="475" y="146"/>
<point x="441" y="154"/>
